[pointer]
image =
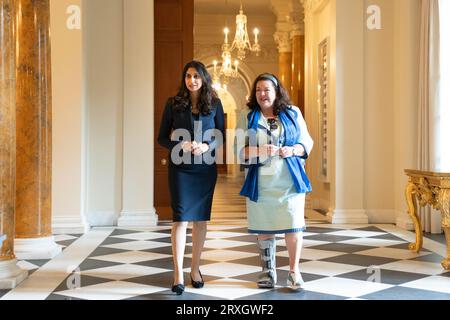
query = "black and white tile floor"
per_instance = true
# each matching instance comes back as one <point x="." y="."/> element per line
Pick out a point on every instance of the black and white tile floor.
<point x="339" y="262"/>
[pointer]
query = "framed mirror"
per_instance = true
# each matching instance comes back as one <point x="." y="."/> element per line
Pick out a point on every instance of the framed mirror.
<point x="323" y="101"/>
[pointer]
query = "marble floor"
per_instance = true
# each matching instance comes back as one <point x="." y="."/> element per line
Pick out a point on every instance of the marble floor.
<point x="338" y="262"/>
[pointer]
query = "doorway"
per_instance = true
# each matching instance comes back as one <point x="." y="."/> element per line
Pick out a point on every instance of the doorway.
<point x="210" y="19"/>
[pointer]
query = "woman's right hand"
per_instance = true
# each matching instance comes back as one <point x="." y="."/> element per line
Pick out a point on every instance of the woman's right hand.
<point x="186" y="146"/>
<point x="269" y="150"/>
<point x="263" y="152"/>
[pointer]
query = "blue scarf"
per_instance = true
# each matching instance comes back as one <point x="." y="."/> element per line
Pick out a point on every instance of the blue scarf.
<point x="291" y="137"/>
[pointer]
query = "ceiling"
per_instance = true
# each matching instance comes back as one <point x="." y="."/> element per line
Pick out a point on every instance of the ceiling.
<point x="232" y="6"/>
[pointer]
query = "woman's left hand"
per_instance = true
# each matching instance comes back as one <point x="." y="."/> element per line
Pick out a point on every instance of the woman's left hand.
<point x="199" y="148"/>
<point x="286" y="152"/>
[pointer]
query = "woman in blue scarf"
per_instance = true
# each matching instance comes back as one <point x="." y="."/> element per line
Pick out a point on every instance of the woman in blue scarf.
<point x="276" y="146"/>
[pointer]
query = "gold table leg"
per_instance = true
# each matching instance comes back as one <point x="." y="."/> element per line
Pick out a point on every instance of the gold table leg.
<point x="446" y="262"/>
<point x="444" y="205"/>
<point x="410" y="194"/>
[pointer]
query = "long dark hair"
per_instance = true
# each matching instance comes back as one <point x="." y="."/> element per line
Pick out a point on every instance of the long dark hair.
<point x="207" y="97"/>
<point x="282" y="100"/>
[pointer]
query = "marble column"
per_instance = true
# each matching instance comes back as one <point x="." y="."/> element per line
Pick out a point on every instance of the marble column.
<point x="297" y="35"/>
<point x="297" y="76"/>
<point x="34" y="238"/>
<point x="283" y="40"/>
<point x="10" y="274"/>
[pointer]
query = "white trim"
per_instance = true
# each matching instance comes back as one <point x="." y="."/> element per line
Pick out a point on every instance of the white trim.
<point x="102" y="218"/>
<point x="69" y="225"/>
<point x="138" y="218"/>
<point x="36" y="248"/>
<point x="348" y="217"/>
<point x="10" y="274"/>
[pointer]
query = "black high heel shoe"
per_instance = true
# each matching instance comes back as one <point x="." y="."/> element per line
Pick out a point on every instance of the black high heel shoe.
<point x="178" y="289"/>
<point x="198" y="284"/>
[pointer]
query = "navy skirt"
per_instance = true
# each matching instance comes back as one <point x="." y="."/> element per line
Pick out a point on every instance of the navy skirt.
<point x="192" y="191"/>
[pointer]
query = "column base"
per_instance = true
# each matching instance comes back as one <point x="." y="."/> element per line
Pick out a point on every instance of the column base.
<point x="36" y="248"/>
<point x="404" y="221"/>
<point x="69" y="225"/>
<point x="10" y="274"/>
<point x="138" y="219"/>
<point x="348" y="217"/>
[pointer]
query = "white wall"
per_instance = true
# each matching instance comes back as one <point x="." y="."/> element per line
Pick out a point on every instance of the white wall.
<point x="406" y="74"/>
<point x="379" y="122"/>
<point x="104" y="97"/>
<point x="349" y="114"/>
<point x="68" y="150"/>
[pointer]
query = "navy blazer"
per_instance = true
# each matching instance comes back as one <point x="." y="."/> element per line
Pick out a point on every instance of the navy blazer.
<point x="172" y="120"/>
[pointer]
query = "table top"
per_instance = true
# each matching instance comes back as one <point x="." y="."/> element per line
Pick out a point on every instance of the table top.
<point x="411" y="172"/>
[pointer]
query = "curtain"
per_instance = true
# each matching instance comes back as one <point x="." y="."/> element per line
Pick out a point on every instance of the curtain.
<point x="429" y="123"/>
<point x="444" y="110"/>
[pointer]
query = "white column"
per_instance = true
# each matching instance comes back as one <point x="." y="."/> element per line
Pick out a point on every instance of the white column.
<point x="348" y="63"/>
<point x="68" y="176"/>
<point x="36" y="248"/>
<point x="10" y="274"/>
<point x="138" y="153"/>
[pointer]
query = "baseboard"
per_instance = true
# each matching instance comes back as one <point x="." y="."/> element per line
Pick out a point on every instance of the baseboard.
<point x="381" y="216"/>
<point x="347" y="217"/>
<point x="102" y="218"/>
<point x="69" y="225"/>
<point x="138" y="218"/>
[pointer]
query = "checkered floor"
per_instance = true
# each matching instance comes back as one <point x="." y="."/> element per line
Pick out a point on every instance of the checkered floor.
<point x="338" y="262"/>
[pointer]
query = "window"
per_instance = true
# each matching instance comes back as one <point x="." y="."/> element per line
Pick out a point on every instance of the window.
<point x="444" y="13"/>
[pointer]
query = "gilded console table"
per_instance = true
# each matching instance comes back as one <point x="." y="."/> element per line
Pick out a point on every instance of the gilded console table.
<point x="429" y="188"/>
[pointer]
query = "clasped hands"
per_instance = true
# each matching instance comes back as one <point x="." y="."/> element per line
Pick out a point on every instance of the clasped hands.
<point x="195" y="147"/>
<point x="270" y="150"/>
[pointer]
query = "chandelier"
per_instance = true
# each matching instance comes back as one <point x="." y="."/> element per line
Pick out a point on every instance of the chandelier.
<point x="241" y="40"/>
<point x="226" y="71"/>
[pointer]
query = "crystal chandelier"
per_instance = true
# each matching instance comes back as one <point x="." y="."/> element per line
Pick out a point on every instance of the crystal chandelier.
<point x="241" y="43"/>
<point x="222" y="74"/>
<point x="241" y="40"/>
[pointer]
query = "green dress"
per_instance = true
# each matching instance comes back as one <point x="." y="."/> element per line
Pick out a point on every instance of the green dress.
<point x="280" y="209"/>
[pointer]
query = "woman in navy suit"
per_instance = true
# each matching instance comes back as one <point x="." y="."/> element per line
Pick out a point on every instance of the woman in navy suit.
<point x="192" y="127"/>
